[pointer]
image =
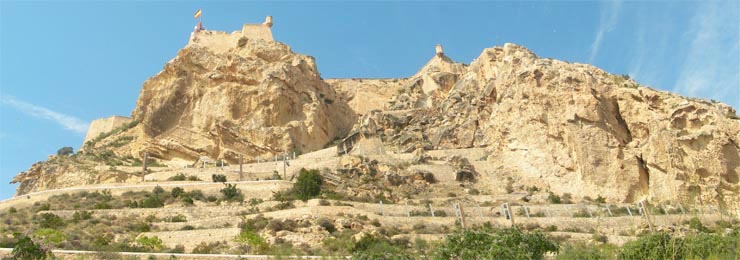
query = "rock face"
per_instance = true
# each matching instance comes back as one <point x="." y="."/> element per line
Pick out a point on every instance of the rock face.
<point x="257" y="98"/>
<point x="565" y="128"/>
<point x="576" y="129"/>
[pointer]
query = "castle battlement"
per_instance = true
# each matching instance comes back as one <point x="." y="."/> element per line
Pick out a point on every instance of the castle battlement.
<point x="219" y="41"/>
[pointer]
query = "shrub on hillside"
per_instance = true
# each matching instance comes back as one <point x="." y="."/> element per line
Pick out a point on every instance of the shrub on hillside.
<point x="231" y="193"/>
<point x="308" y="184"/>
<point x="64" y="151"/>
<point x="696" y="246"/>
<point x="554" y="199"/>
<point x="150" y="243"/>
<point x="490" y="243"/>
<point x="256" y="243"/>
<point x="177" y="191"/>
<point x="178" y="177"/>
<point x="378" y="247"/>
<point x="218" y="178"/>
<point x="49" y="220"/>
<point x="27" y="249"/>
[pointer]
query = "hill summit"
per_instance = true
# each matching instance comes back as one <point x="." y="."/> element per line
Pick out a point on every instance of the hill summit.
<point x="564" y="127"/>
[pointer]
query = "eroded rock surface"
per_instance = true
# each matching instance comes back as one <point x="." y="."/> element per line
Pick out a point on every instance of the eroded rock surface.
<point x="256" y="99"/>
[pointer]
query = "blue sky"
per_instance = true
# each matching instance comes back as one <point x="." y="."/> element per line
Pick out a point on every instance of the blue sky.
<point x="63" y="64"/>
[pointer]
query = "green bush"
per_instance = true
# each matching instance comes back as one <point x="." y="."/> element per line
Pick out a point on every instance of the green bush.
<point x="231" y="193"/>
<point x="158" y="190"/>
<point x="655" y="246"/>
<point x="255" y="201"/>
<point x="255" y="241"/>
<point x="150" y="243"/>
<point x="218" y="178"/>
<point x="27" y="249"/>
<point x="151" y="202"/>
<point x="554" y="199"/>
<point x="254" y="224"/>
<point x="342" y="244"/>
<point x="327" y="224"/>
<point x="695" y="223"/>
<point x="693" y="246"/>
<point x="64" y="151"/>
<point x="81" y="215"/>
<point x="578" y="251"/>
<point x="177" y="191"/>
<point x="490" y="243"/>
<point x="49" y="236"/>
<point x="177" y="218"/>
<point x="371" y="247"/>
<point x="178" y="177"/>
<point x="308" y="184"/>
<point x="49" y="220"/>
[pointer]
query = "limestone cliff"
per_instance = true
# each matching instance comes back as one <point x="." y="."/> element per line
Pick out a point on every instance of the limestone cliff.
<point x="573" y="128"/>
<point x="257" y="98"/>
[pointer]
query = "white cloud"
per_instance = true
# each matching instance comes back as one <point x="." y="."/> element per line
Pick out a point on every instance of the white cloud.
<point x="68" y="122"/>
<point x="609" y="18"/>
<point x="712" y="64"/>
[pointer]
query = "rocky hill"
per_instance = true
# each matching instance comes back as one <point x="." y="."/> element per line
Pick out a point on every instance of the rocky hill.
<point x="571" y="128"/>
<point x="563" y="127"/>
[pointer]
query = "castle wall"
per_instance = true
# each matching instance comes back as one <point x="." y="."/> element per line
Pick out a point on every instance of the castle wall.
<point x="102" y="125"/>
<point x="257" y="31"/>
<point x="218" y="42"/>
<point x="221" y="42"/>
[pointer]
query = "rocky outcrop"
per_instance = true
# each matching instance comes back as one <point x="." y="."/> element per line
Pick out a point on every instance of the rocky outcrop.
<point x="578" y="130"/>
<point x="257" y="98"/>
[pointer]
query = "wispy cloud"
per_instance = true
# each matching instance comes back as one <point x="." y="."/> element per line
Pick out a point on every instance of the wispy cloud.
<point x="609" y="19"/>
<point x="68" y="122"/>
<point x="711" y="67"/>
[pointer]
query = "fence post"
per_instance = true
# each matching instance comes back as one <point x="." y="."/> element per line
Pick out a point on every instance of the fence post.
<point x="609" y="210"/>
<point x="462" y="215"/>
<point x="589" y="212"/>
<point x="480" y="212"/>
<point x="408" y="214"/>
<point x="526" y="211"/>
<point x="646" y="214"/>
<point x="382" y="210"/>
<point x="241" y="160"/>
<point x="431" y="209"/>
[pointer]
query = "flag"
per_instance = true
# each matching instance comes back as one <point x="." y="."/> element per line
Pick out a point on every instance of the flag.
<point x="197" y="13"/>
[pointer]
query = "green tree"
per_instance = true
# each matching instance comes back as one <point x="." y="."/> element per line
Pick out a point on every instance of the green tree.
<point x="27" y="249"/>
<point x="308" y="184"/>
